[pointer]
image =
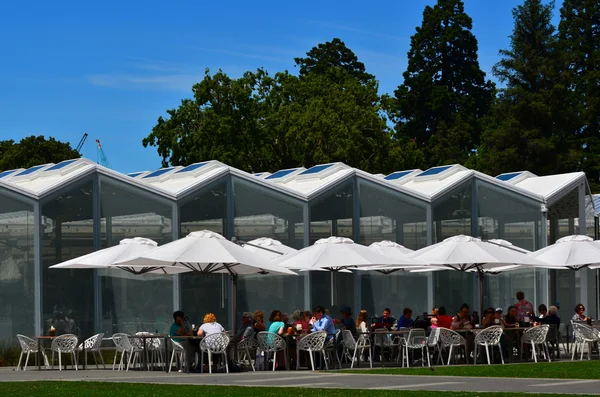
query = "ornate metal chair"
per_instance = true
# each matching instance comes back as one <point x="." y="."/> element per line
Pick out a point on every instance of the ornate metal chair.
<point x="64" y="344"/>
<point x="310" y="343"/>
<point x="451" y="340"/>
<point x="536" y="336"/>
<point x="92" y="345"/>
<point x="269" y="343"/>
<point x="584" y="335"/>
<point x="29" y="346"/>
<point x="214" y="344"/>
<point x="489" y="337"/>
<point x="244" y="349"/>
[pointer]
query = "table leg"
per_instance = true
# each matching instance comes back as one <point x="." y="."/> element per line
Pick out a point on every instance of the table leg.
<point x="84" y="357"/>
<point x="38" y="356"/>
<point x="167" y="355"/>
<point x="145" y="356"/>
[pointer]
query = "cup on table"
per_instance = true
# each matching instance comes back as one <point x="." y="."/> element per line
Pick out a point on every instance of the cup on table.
<point x="298" y="327"/>
<point x="497" y="321"/>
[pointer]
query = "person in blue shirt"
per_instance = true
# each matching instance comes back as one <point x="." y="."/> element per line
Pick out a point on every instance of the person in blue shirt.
<point x="406" y="321"/>
<point x="322" y="322"/>
<point x="347" y="320"/>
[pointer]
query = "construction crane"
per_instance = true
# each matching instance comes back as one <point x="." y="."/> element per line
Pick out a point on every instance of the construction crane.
<point x="81" y="142"/>
<point x="102" y="159"/>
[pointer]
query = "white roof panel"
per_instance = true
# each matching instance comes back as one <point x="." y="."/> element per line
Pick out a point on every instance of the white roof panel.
<point x="432" y="188"/>
<point x="551" y="185"/>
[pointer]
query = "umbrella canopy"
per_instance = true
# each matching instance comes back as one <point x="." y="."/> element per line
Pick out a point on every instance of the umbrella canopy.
<point x="334" y="254"/>
<point x="206" y="252"/>
<point x="466" y="253"/>
<point x="396" y="251"/>
<point x="268" y="248"/>
<point x="570" y="252"/>
<point x="110" y="257"/>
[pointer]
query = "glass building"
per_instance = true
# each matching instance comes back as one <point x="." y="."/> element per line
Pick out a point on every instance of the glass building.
<point x="55" y="212"/>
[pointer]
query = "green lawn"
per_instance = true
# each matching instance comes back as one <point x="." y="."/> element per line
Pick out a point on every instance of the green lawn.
<point x="92" y="389"/>
<point x="559" y="370"/>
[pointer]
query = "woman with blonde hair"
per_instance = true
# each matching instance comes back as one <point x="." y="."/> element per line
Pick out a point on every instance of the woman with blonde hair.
<point x="210" y="326"/>
<point x="259" y="321"/>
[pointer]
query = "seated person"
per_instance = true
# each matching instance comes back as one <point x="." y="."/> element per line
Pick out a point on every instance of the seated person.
<point x="579" y="316"/>
<point x="463" y="319"/>
<point x="322" y="322"/>
<point x="489" y="318"/>
<point x="406" y="321"/>
<point x="246" y="331"/>
<point x="443" y="320"/>
<point x="210" y="326"/>
<point x="551" y="317"/>
<point x="300" y="323"/>
<point x="385" y="321"/>
<point x="181" y="327"/>
<point x="511" y="319"/>
<point x="277" y="324"/>
<point x="347" y="320"/>
<point x="259" y="322"/>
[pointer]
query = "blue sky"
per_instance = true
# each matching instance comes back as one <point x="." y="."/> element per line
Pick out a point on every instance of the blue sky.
<point x="112" y="68"/>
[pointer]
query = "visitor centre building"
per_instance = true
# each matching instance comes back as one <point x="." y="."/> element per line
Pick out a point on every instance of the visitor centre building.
<point x="54" y="212"/>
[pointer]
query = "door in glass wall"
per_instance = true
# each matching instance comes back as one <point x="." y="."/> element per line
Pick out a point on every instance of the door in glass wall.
<point x="262" y="212"/>
<point x="134" y="303"/>
<point x="331" y="215"/>
<point x="205" y="209"/>
<point x="16" y="267"/>
<point x="68" y="232"/>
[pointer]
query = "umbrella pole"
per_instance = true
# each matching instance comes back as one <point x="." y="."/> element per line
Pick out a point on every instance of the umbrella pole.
<point x="331" y="289"/>
<point x="480" y="276"/>
<point x="234" y="279"/>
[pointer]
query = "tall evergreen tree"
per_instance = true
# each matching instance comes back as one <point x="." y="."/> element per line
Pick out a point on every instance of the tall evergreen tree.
<point x="528" y="129"/>
<point x="579" y="39"/>
<point x="445" y="94"/>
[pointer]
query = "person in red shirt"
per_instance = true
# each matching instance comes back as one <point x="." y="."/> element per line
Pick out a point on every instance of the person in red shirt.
<point x="443" y="320"/>
<point x="524" y="307"/>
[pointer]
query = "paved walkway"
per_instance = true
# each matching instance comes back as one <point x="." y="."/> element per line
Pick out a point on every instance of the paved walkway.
<point x="317" y="379"/>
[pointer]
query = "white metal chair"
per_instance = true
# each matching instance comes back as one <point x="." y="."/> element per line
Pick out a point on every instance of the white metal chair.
<point x="452" y="340"/>
<point x="417" y="340"/>
<point x="244" y="349"/>
<point x="179" y="351"/>
<point x="383" y="340"/>
<point x="92" y="345"/>
<point x="154" y="349"/>
<point x="536" y="336"/>
<point x="353" y="345"/>
<point x="64" y="344"/>
<point x="584" y="335"/>
<point x="269" y="343"/>
<point x="124" y="345"/>
<point x="214" y="344"/>
<point x="29" y="346"/>
<point x="310" y="343"/>
<point x="433" y="343"/>
<point x="489" y="337"/>
<point x="331" y="348"/>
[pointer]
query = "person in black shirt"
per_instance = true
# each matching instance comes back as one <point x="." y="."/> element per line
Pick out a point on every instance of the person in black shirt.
<point x="385" y="321"/>
<point x="348" y="321"/>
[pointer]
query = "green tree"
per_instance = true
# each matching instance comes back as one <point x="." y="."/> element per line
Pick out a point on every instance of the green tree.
<point x="34" y="150"/>
<point x="261" y="122"/>
<point x="528" y="127"/>
<point x="444" y="95"/>
<point x="579" y="40"/>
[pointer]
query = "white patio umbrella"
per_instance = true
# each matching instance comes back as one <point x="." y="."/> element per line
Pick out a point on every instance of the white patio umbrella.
<point x="470" y="254"/>
<point x="268" y="248"/>
<point x="396" y="251"/>
<point x="108" y="258"/>
<point x="208" y="252"/>
<point x="334" y="254"/>
<point x="571" y="252"/>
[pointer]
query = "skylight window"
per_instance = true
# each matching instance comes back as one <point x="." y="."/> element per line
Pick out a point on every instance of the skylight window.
<point x="435" y="170"/>
<point x="158" y="172"/>
<point x="281" y="174"/>
<point x="397" y="175"/>
<point x="60" y="165"/>
<point x="134" y="174"/>
<point x="192" y="167"/>
<point x="259" y="174"/>
<point x="5" y="173"/>
<point x="316" y="169"/>
<point x="31" y="170"/>
<point x="509" y="176"/>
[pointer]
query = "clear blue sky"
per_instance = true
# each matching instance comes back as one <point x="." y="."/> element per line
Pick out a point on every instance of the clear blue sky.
<point x="112" y="68"/>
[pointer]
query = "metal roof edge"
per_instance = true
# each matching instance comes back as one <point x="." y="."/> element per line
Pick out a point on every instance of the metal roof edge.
<point x="470" y="174"/>
<point x="394" y="186"/>
<point x="191" y="188"/>
<point x="69" y="178"/>
<point x="348" y="173"/>
<point x="557" y="194"/>
<point x="496" y="182"/>
<point x="274" y="186"/>
<point x="19" y="190"/>
<point x="132" y="181"/>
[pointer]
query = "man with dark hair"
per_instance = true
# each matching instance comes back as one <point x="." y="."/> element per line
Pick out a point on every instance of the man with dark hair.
<point x="181" y="327"/>
<point x="385" y="321"/>
<point x="322" y="322"/>
<point x="406" y="321"/>
<point x="524" y="307"/>
<point x="347" y="320"/>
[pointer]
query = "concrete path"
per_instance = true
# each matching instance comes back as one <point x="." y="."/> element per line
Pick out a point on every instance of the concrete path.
<point x="317" y="379"/>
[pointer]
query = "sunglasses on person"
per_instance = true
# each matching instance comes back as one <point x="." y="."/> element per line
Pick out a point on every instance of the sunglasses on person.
<point x="580" y="308"/>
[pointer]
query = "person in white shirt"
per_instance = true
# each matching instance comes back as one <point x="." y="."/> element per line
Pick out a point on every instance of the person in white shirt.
<point x="361" y="321"/>
<point x="210" y="326"/>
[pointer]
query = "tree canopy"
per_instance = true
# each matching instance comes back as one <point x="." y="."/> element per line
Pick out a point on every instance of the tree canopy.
<point x="34" y="150"/>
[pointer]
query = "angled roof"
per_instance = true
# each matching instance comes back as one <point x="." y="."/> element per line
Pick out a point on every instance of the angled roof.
<point x="552" y="187"/>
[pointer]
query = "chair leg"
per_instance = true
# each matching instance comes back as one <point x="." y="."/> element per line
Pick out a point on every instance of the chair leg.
<point x="427" y="351"/>
<point x="59" y="360"/>
<point x="226" y="363"/>
<point x="52" y="359"/>
<point x="210" y="362"/>
<point x="533" y="352"/>
<point x="274" y="359"/>
<point x="324" y="353"/>
<point x="20" y="357"/>
<point x="201" y="362"/>
<point x="312" y="361"/>
<point x="547" y="352"/>
<point x="250" y="359"/>
<point x="370" y="357"/>
<point x="75" y="360"/>
<point x="171" y="362"/>
<point x="450" y="354"/>
<point x="26" y="360"/>
<point x="487" y="353"/>
<point x="354" y="356"/>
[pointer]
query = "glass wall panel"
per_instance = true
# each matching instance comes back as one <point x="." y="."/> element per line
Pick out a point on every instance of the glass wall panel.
<point x="204" y="293"/>
<point x="386" y="214"/>
<point x="133" y="303"/>
<point x="16" y="268"/>
<point x="68" y="294"/>
<point x="504" y="215"/>
<point x="331" y="215"/>
<point x="451" y="216"/>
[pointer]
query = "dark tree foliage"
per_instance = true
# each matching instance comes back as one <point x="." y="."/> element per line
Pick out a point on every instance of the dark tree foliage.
<point x="34" y="150"/>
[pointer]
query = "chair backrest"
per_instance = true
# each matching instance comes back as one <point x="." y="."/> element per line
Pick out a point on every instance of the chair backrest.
<point x="27" y="344"/>
<point x="270" y="342"/>
<point x="314" y="341"/>
<point x="417" y="336"/>
<point x="348" y="339"/>
<point x="536" y="335"/>
<point x="93" y="343"/>
<point x="176" y="346"/>
<point x="489" y="336"/>
<point x="247" y="343"/>
<point x="583" y="333"/>
<point x="64" y="343"/>
<point x="451" y="338"/>
<point x="382" y="338"/>
<point x="434" y="337"/>
<point x="151" y="343"/>
<point x="122" y="342"/>
<point x="215" y="343"/>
